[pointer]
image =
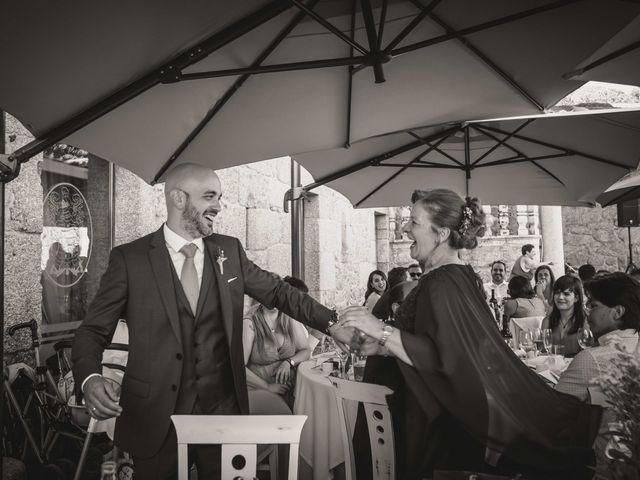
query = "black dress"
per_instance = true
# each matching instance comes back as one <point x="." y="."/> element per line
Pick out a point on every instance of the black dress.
<point x="469" y="403"/>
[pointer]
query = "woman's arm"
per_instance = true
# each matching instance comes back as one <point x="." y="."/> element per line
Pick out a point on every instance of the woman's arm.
<point x="372" y="299"/>
<point x="303" y="352"/>
<point x="510" y="307"/>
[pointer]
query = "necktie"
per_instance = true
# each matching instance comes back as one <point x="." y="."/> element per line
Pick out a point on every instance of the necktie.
<point x="189" y="276"/>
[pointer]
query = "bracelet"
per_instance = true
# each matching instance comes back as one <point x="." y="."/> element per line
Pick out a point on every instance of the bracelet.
<point x="290" y="362"/>
<point x="333" y="319"/>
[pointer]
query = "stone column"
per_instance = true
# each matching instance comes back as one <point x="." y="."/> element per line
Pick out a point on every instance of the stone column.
<point x="552" y="242"/>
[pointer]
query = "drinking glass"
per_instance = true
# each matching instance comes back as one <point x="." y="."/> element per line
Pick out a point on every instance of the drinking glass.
<point x="537" y="338"/>
<point x="585" y="338"/>
<point x="546" y="339"/>
<point x="526" y="342"/>
<point x="344" y="357"/>
<point x="358" y="367"/>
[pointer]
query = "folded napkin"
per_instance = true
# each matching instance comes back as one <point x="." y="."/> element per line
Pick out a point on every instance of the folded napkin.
<point x="323" y="357"/>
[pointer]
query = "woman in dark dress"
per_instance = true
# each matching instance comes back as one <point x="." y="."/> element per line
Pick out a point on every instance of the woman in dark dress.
<point x="470" y="404"/>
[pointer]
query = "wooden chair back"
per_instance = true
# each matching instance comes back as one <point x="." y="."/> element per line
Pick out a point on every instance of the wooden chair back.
<point x="239" y="436"/>
<point x="374" y="400"/>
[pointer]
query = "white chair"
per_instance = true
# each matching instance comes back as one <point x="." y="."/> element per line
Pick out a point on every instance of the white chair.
<point x="373" y="398"/>
<point x="524" y="324"/>
<point x="239" y="436"/>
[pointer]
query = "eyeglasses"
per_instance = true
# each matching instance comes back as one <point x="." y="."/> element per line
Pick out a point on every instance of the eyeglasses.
<point x="415" y="274"/>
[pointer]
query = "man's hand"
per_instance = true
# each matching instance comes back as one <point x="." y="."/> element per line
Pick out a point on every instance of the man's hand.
<point x="283" y="372"/>
<point x="370" y="346"/>
<point x="346" y="338"/>
<point x="101" y="398"/>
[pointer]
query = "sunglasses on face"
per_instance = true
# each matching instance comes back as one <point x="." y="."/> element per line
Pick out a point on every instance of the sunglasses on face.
<point x="415" y="274"/>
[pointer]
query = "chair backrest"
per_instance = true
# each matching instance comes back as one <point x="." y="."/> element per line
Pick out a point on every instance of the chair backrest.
<point x="239" y="436"/>
<point x="524" y="324"/>
<point x="374" y="400"/>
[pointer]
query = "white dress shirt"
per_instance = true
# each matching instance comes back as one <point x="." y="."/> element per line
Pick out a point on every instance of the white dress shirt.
<point x="501" y="290"/>
<point x="174" y="243"/>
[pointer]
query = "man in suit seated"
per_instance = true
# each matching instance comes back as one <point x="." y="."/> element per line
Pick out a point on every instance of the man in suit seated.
<point x="181" y="292"/>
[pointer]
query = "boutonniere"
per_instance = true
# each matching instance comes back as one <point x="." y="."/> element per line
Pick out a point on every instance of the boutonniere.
<point x="220" y="259"/>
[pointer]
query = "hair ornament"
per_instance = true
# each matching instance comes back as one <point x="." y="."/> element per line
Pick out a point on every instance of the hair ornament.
<point x="466" y="222"/>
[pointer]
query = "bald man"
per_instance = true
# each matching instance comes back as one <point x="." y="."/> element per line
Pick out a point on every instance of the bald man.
<point x="181" y="290"/>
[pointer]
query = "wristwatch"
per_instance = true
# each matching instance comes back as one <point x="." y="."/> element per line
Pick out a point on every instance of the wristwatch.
<point x="291" y="362"/>
<point x="387" y="330"/>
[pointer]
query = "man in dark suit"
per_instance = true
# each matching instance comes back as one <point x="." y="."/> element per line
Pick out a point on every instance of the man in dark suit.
<point x="181" y="290"/>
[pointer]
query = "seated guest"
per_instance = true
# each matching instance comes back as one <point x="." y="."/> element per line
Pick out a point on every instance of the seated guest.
<point x="273" y="345"/>
<point x="498" y="283"/>
<point x="635" y="273"/>
<point x="376" y="286"/>
<point x="586" y="272"/>
<point x="523" y="301"/>
<point x="567" y="314"/>
<point x="415" y="272"/>
<point x="545" y="279"/>
<point x="315" y="334"/>
<point x="397" y="275"/>
<point x="614" y="318"/>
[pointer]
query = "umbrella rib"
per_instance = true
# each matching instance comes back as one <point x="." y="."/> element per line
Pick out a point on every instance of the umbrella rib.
<point x="400" y="171"/>
<point x="381" y="22"/>
<point x="329" y="26"/>
<point x="602" y="60"/>
<point x="222" y="101"/>
<point x="567" y="150"/>
<point x="425" y="11"/>
<point x="380" y="158"/>
<point x="487" y="61"/>
<point x="194" y="54"/>
<point x="440" y="151"/>
<point x="500" y="142"/>
<point x="482" y="26"/>
<point x="280" y="67"/>
<point x="532" y="160"/>
<point x="377" y="58"/>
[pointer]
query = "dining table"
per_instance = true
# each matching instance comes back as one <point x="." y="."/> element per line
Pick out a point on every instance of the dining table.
<point x="321" y="446"/>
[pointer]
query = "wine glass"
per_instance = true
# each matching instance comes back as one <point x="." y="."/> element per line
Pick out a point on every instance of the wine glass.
<point x="344" y="357"/>
<point x="585" y="338"/>
<point x="537" y="338"/>
<point x="547" y="339"/>
<point x="526" y="342"/>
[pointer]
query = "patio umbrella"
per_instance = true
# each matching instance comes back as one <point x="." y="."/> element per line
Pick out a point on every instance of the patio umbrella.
<point x="553" y="159"/>
<point x="151" y="83"/>
<point x="624" y="190"/>
<point x="616" y="61"/>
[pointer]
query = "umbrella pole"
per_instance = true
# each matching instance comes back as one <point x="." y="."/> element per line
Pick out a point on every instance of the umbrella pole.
<point x="631" y="266"/>
<point x="297" y="225"/>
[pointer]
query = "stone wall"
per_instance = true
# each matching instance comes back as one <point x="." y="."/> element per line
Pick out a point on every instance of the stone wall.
<point x="506" y="248"/>
<point x="23" y="226"/>
<point x="591" y="235"/>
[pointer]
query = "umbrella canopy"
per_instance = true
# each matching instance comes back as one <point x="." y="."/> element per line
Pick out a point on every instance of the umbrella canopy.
<point x="616" y="61"/>
<point x="624" y="190"/>
<point x="151" y="83"/>
<point x="554" y="159"/>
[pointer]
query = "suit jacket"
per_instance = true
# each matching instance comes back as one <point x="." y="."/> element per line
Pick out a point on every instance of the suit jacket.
<point x="138" y="287"/>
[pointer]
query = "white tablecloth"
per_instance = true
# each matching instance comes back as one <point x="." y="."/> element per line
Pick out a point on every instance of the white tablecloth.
<point x="321" y="439"/>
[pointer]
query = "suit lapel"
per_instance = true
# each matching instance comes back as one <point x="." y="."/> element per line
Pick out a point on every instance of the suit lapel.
<point x="223" y="289"/>
<point x="161" y="266"/>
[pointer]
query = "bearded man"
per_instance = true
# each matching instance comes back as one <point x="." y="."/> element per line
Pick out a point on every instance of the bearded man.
<point x="180" y="290"/>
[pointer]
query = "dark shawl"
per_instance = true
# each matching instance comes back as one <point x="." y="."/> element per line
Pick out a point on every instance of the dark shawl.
<point x="464" y="370"/>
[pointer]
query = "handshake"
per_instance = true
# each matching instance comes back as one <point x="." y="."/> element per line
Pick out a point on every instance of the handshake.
<point x="358" y="330"/>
